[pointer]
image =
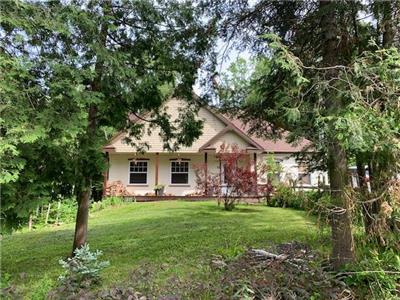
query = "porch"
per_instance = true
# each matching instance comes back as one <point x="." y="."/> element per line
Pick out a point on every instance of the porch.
<point x="139" y="175"/>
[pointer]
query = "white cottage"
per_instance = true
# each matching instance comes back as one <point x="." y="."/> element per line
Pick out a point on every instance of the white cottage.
<point x="139" y="173"/>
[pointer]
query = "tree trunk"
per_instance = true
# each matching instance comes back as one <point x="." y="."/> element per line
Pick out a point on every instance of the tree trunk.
<point x="388" y="24"/>
<point x="82" y="217"/>
<point x="342" y="236"/>
<point x="83" y="196"/>
<point x="229" y="204"/>
<point x="85" y="186"/>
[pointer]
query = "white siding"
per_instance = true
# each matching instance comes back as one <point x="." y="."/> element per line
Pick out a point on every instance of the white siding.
<point x="119" y="170"/>
<point x="290" y="169"/>
<point x="211" y="126"/>
<point x="230" y="138"/>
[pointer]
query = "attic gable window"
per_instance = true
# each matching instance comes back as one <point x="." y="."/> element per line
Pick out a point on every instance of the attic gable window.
<point x="138" y="172"/>
<point x="179" y="172"/>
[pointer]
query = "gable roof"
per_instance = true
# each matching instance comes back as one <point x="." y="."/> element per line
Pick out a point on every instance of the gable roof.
<point x="227" y="129"/>
<point x="216" y="128"/>
<point x="230" y="126"/>
<point x="279" y="145"/>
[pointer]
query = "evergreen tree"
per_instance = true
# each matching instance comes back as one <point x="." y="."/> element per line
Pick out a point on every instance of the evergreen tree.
<point x="300" y="84"/>
<point x="94" y="63"/>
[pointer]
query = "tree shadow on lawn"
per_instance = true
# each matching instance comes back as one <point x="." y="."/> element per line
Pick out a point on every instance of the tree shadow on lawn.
<point x="182" y="238"/>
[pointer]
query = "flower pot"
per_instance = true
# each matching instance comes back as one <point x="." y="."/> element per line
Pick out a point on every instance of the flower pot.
<point x="159" y="191"/>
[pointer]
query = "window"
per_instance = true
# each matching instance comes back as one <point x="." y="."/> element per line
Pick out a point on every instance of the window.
<point x="138" y="172"/>
<point x="304" y="176"/>
<point x="179" y="172"/>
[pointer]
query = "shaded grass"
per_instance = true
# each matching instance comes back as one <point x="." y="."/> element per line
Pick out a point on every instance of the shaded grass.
<point x="179" y="235"/>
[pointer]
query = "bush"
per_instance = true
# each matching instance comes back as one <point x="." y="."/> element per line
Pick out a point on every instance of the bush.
<point x="281" y="195"/>
<point x="106" y="202"/>
<point x="82" y="270"/>
<point x="286" y="196"/>
<point x="65" y="212"/>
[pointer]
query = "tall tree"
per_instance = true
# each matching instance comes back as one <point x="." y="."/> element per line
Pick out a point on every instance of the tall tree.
<point x="101" y="61"/>
<point x="34" y="148"/>
<point x="343" y="243"/>
<point x="320" y="34"/>
<point x="317" y="82"/>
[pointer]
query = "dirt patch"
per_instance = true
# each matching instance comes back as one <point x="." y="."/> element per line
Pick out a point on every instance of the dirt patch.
<point x="287" y="271"/>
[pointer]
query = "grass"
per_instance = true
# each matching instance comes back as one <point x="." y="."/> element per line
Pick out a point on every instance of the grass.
<point x="180" y="236"/>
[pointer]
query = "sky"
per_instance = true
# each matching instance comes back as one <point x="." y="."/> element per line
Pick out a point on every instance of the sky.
<point x="226" y="56"/>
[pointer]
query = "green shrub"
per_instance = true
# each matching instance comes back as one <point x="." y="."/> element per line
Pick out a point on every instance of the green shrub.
<point x="68" y="210"/>
<point x="314" y="202"/>
<point x="106" y="202"/>
<point x="61" y="212"/>
<point x="285" y="196"/>
<point x="282" y="195"/>
<point x="82" y="270"/>
<point x="295" y="200"/>
<point x="271" y="202"/>
<point x="64" y="211"/>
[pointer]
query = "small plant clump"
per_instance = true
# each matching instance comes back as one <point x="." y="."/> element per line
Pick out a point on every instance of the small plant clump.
<point x="84" y="268"/>
<point x="81" y="272"/>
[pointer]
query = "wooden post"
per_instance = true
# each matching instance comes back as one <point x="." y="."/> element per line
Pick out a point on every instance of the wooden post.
<point x="30" y="221"/>
<point x="106" y="174"/>
<point x="255" y="172"/>
<point x="220" y="183"/>
<point x="58" y="211"/>
<point x="48" y="213"/>
<point x="157" y="166"/>
<point x="205" y="174"/>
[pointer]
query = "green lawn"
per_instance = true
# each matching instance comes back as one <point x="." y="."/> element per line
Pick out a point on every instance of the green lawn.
<point x="180" y="236"/>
